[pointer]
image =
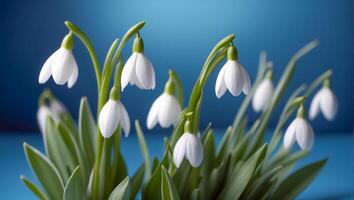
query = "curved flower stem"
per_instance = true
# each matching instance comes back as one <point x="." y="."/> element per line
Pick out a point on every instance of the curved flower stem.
<point x="179" y="87"/>
<point x="317" y="82"/>
<point x="101" y="100"/>
<point x="279" y="91"/>
<point x="87" y="42"/>
<point x="214" y="57"/>
<point x="111" y="59"/>
<point x="131" y="32"/>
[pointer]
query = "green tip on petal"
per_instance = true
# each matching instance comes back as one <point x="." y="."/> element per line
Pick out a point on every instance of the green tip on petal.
<point x="327" y="83"/>
<point x="68" y="41"/>
<point x="232" y="53"/>
<point x="115" y="93"/>
<point x="138" y="45"/>
<point x="187" y="126"/>
<point x="301" y="112"/>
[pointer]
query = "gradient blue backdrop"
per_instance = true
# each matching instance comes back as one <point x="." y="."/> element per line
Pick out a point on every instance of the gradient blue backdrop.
<point x="178" y="34"/>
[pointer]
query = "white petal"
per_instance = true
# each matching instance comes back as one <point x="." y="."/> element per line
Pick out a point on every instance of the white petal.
<point x="304" y="134"/>
<point x="328" y="104"/>
<point x="233" y="77"/>
<point x="109" y="118"/>
<point x="124" y="120"/>
<point x="153" y="114"/>
<point x="220" y="86"/>
<point x="42" y="114"/>
<point x="73" y="77"/>
<point x="315" y="105"/>
<point x="63" y="66"/>
<point x="180" y="150"/>
<point x="263" y="95"/>
<point x="128" y="70"/>
<point x="169" y="110"/>
<point x="246" y="81"/>
<point x="194" y="150"/>
<point x="145" y="72"/>
<point x="46" y="70"/>
<point x="289" y="137"/>
<point x="57" y="107"/>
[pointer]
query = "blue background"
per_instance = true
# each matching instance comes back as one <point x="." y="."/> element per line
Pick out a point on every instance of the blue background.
<point x="178" y="34"/>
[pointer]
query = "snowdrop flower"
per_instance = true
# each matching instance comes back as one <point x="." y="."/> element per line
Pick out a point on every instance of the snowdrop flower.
<point x="54" y="109"/>
<point x="232" y="76"/>
<point x="138" y="69"/>
<point x="190" y="147"/>
<point x="61" y="65"/>
<point x="263" y="94"/>
<point x="301" y="131"/>
<point x="326" y="102"/>
<point x="112" y="115"/>
<point x="166" y="109"/>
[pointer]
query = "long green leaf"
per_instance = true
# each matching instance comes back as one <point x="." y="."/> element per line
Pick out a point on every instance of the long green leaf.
<point x="236" y="186"/>
<point x="34" y="188"/>
<point x="137" y="182"/>
<point x="122" y="191"/>
<point x="45" y="171"/>
<point x="144" y="149"/>
<point x="168" y="188"/>
<point x="87" y="130"/>
<point x="74" y="189"/>
<point x="58" y="151"/>
<point x="298" y="181"/>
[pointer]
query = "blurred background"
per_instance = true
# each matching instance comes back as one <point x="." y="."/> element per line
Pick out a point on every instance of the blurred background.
<point x="179" y="35"/>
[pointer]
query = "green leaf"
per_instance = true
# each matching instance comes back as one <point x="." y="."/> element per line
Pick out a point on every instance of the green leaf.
<point x="168" y="188"/>
<point x="137" y="182"/>
<point x="153" y="187"/>
<point x="294" y="184"/>
<point x="261" y="185"/>
<point x="34" y="188"/>
<point x="209" y="154"/>
<point x="45" y="171"/>
<point x="179" y="128"/>
<point x="70" y="140"/>
<point x="144" y="149"/>
<point x="122" y="191"/>
<point x="87" y="130"/>
<point x="58" y="151"/>
<point x="235" y="187"/>
<point x="74" y="189"/>
<point x="211" y="186"/>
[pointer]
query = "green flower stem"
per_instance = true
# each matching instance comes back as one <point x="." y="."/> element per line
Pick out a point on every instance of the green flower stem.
<point x="131" y="32"/>
<point x="318" y="82"/>
<point x="86" y="41"/>
<point x="222" y="43"/>
<point x="211" y="62"/>
<point x="104" y="93"/>
<point x="179" y="87"/>
<point x="279" y="91"/>
<point x="118" y="74"/>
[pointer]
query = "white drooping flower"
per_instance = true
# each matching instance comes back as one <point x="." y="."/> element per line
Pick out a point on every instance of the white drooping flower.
<point x="301" y="131"/>
<point x="112" y="115"/>
<point x="326" y="102"/>
<point x="232" y="77"/>
<point x="61" y="65"/>
<point x="166" y="109"/>
<point x="190" y="147"/>
<point x="53" y="110"/>
<point x="42" y="114"/>
<point x="138" y="69"/>
<point x="263" y="95"/>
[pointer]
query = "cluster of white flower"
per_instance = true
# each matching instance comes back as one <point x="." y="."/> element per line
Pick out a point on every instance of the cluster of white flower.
<point x="166" y="109"/>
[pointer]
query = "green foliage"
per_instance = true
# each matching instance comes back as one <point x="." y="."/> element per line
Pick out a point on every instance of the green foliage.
<point x="80" y="164"/>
